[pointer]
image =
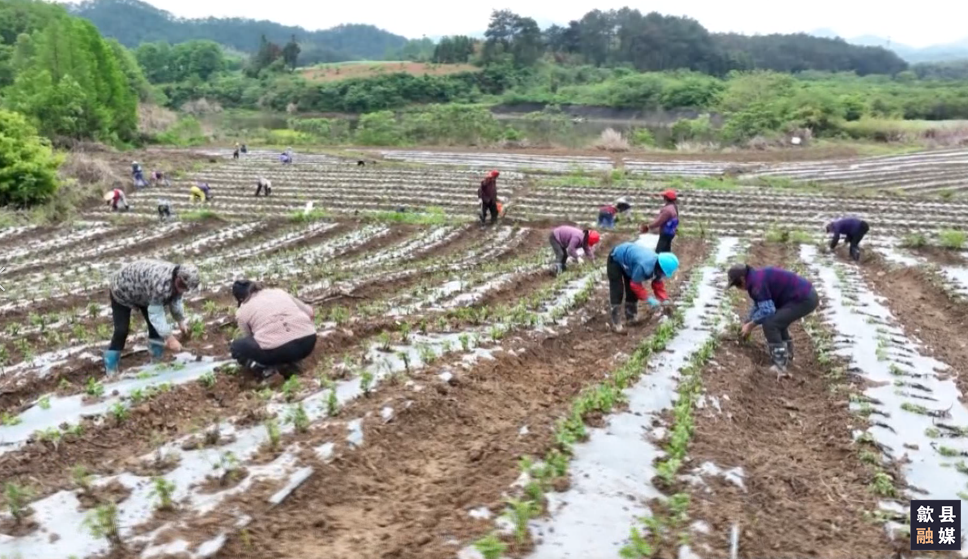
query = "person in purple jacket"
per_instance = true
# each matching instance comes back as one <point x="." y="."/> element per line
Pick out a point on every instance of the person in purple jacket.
<point x="853" y="230"/>
<point x="566" y="240"/>
<point x="780" y="298"/>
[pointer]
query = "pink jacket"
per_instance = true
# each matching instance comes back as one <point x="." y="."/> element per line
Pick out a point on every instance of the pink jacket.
<point x="275" y="318"/>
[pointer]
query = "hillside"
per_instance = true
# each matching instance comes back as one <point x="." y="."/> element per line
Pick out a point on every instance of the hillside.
<point x="133" y="22"/>
<point x="913" y="55"/>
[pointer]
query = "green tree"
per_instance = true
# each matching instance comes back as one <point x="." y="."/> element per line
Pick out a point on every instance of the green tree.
<point x="28" y="166"/>
<point x="290" y="53"/>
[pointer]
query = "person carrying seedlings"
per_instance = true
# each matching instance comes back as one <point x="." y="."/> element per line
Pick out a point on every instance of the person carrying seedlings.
<point x="277" y="328"/>
<point x="780" y="298"/>
<point x="164" y="210"/>
<point x="116" y="199"/>
<point x="629" y="266"/>
<point x="853" y="230"/>
<point x="263" y="183"/>
<point x="607" y="215"/>
<point x="566" y="240"/>
<point x="150" y="286"/>
<point x="666" y="223"/>
<point x="200" y="192"/>
<point x="488" y="195"/>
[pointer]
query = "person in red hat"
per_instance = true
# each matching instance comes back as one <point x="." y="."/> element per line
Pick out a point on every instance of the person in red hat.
<point x="488" y="195"/>
<point x="566" y="240"/>
<point x="666" y="224"/>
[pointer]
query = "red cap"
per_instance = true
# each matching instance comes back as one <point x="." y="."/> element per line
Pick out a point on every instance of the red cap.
<point x="493" y="174"/>
<point x="593" y="238"/>
<point x="669" y="194"/>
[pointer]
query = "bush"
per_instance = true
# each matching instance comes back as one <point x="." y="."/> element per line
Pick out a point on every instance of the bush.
<point x="952" y="239"/>
<point x="379" y="129"/>
<point x="187" y="131"/>
<point x="642" y="137"/>
<point x="914" y="240"/>
<point x="28" y="166"/>
<point x="289" y="138"/>
<point x="610" y="140"/>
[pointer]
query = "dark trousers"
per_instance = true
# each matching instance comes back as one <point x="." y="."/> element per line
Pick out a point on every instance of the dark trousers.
<point x="854" y="241"/>
<point x="489" y="207"/>
<point x="164" y="211"/>
<point x="561" y="255"/>
<point x="246" y="349"/>
<point x="620" y="288"/>
<point x="122" y="321"/>
<point x="259" y="189"/>
<point x="664" y="244"/>
<point x="606" y="219"/>
<point x="776" y="328"/>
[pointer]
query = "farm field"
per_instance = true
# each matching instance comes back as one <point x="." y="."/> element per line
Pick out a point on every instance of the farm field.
<point x="461" y="401"/>
<point x="370" y="68"/>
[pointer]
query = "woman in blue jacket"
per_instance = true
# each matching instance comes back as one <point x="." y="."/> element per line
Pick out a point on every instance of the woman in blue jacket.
<point x="629" y="266"/>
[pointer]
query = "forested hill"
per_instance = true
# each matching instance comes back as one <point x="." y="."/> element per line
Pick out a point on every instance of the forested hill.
<point x="132" y="23"/>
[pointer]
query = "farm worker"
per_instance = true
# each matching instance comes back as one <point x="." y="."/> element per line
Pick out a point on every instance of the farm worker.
<point x="286" y="156"/>
<point x="149" y="286"/>
<point x="164" y="209"/>
<point x="853" y="230"/>
<point x="488" y="195"/>
<point x="666" y="223"/>
<point x="277" y="329"/>
<point x="780" y="298"/>
<point x="608" y="214"/>
<point x="566" y="240"/>
<point x="244" y="149"/>
<point x="116" y="199"/>
<point x="159" y="178"/>
<point x="235" y="154"/>
<point x="629" y="266"/>
<point x="135" y="169"/>
<point x="263" y="183"/>
<point x="201" y="193"/>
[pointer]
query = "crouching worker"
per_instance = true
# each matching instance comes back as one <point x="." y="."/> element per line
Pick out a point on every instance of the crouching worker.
<point x="780" y="298"/>
<point x="566" y="240"/>
<point x="263" y="184"/>
<point x="629" y="266"/>
<point x="201" y="193"/>
<point x="607" y="215"/>
<point x="117" y="200"/>
<point x="164" y="210"/>
<point x="149" y="286"/>
<point x="853" y="230"/>
<point x="277" y="329"/>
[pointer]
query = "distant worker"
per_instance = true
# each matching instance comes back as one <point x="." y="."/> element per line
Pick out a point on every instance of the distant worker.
<point x="286" y="157"/>
<point x="361" y="163"/>
<point x="117" y="200"/>
<point x="135" y="169"/>
<point x="629" y="266"/>
<point x="853" y="230"/>
<point x="164" y="210"/>
<point x="200" y="193"/>
<point x="566" y="240"/>
<point x="263" y="183"/>
<point x="150" y="286"/>
<point x="666" y="223"/>
<point x="607" y="215"/>
<point x="488" y="195"/>
<point x="780" y="298"/>
<point x="277" y="328"/>
<point x="235" y="154"/>
<point x="160" y="179"/>
<point x="244" y="149"/>
<point x="138" y="175"/>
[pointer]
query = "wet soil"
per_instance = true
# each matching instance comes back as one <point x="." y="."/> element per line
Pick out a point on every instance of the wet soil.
<point x="806" y="490"/>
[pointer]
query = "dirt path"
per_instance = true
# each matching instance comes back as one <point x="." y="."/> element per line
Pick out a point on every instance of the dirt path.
<point x="408" y="491"/>
<point x="804" y="490"/>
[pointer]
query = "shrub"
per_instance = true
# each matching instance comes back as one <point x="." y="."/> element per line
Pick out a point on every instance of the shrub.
<point x="610" y="140"/>
<point x="28" y="166"/>
<point x="914" y="240"/>
<point x="952" y="239"/>
<point x="642" y="137"/>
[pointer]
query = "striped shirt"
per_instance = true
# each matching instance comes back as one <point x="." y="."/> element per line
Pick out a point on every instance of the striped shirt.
<point x="275" y="318"/>
<point x="777" y="285"/>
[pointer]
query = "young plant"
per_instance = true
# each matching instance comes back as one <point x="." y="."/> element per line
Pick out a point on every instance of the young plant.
<point x="207" y="380"/>
<point x="298" y="418"/>
<point x="332" y="404"/>
<point x="94" y="388"/>
<point x="209" y="307"/>
<point x="103" y="523"/>
<point x="163" y="489"/>
<point x="291" y="388"/>
<point x="520" y="514"/>
<point x="405" y="330"/>
<point x="9" y="420"/>
<point x="384" y="340"/>
<point x="490" y="547"/>
<point x="465" y="342"/>
<point x="119" y="412"/>
<point x="637" y="548"/>
<point x="272" y="429"/>
<point x="196" y="329"/>
<point x="81" y="477"/>
<point x="427" y="354"/>
<point x="366" y="381"/>
<point x="339" y="315"/>
<point x="17" y="497"/>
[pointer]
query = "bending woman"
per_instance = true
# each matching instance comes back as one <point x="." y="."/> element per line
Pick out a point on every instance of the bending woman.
<point x="277" y="328"/>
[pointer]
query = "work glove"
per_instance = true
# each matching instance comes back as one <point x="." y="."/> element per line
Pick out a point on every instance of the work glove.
<point x="173" y="344"/>
<point x="653" y="302"/>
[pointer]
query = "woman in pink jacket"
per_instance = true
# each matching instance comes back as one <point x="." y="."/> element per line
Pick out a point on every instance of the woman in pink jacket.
<point x="277" y="329"/>
<point x="566" y="240"/>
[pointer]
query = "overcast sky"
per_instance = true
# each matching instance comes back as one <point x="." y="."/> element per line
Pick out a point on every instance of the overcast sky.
<point x="919" y="24"/>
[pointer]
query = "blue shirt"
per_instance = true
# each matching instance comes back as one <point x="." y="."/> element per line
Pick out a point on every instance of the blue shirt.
<point x="636" y="261"/>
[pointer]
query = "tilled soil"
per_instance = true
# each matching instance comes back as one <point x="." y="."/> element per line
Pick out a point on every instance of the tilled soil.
<point x="408" y="490"/>
<point x="806" y="490"/>
<point x="926" y="312"/>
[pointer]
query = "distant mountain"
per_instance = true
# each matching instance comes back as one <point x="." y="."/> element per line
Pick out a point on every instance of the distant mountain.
<point x="935" y="53"/>
<point x="133" y="22"/>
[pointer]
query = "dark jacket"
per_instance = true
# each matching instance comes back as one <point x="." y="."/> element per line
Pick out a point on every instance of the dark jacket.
<point x="488" y="190"/>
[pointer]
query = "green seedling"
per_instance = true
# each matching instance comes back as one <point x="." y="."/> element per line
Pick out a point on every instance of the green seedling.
<point x="915" y="408"/>
<point x="490" y="547"/>
<point x="266" y="394"/>
<point x="229" y="464"/>
<point x="207" y="380"/>
<point x="209" y="307"/>
<point x="298" y="418"/>
<point x="520" y="513"/>
<point x="332" y="404"/>
<point x="9" y="420"/>
<point x="163" y="489"/>
<point x="137" y="396"/>
<point x="426" y="353"/>
<point x="103" y="331"/>
<point x="196" y="329"/>
<point x="93" y="310"/>
<point x="883" y="485"/>
<point x="75" y="430"/>
<point x="50" y="435"/>
<point x="405" y="357"/>
<point x="103" y="523"/>
<point x="119" y="412"/>
<point x="366" y="381"/>
<point x="637" y="548"/>
<point x="948" y="451"/>
<point x="869" y="457"/>
<point x="465" y="342"/>
<point x="94" y="388"/>
<point x="405" y="330"/>
<point x="17" y="497"/>
<point x="291" y="388"/>
<point x="44" y="402"/>
<point x="272" y="429"/>
<point x="81" y="477"/>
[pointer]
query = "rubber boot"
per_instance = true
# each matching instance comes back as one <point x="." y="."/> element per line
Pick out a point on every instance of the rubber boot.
<point x="855" y="254"/>
<point x="617" y="319"/>
<point x="157" y="350"/>
<point x="789" y="350"/>
<point x="632" y="313"/>
<point x="112" y="362"/>
<point x="778" y="353"/>
<point x="559" y="268"/>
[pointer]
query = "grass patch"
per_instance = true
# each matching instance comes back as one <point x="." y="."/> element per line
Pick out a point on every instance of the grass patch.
<point x="952" y="239"/>
<point x="199" y="215"/>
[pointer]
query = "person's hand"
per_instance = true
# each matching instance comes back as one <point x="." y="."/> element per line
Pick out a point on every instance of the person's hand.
<point x="653" y="302"/>
<point x="173" y="344"/>
<point x="183" y="327"/>
<point x="747" y="329"/>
